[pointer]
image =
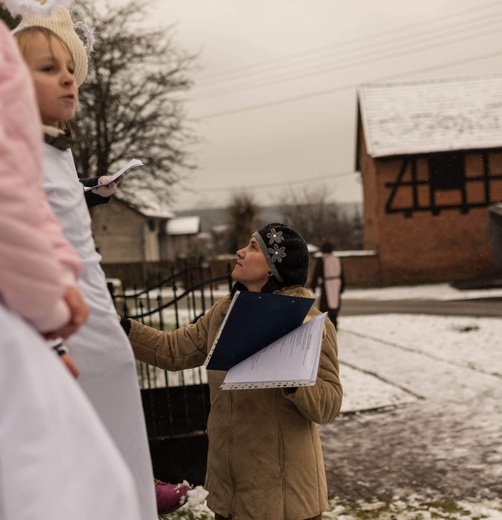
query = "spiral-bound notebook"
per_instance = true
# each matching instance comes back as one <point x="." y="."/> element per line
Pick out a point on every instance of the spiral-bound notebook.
<point x="263" y="342"/>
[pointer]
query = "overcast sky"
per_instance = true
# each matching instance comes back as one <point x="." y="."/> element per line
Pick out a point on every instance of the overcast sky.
<point x="275" y="98"/>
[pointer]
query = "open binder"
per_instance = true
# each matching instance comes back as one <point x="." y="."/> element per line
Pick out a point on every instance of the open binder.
<point x="263" y="342"/>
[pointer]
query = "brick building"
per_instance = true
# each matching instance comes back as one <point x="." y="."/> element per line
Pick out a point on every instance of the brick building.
<point x="430" y="154"/>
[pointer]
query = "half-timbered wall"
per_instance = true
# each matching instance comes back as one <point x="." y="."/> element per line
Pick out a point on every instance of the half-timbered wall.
<point x="428" y="229"/>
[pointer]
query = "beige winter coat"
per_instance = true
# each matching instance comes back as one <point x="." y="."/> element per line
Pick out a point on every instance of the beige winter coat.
<point x="265" y="459"/>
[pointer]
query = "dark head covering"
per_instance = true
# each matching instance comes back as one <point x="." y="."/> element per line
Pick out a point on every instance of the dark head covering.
<point x="286" y="253"/>
<point x="327" y="247"/>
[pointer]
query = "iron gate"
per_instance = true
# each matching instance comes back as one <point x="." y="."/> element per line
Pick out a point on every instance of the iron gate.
<point x="176" y="404"/>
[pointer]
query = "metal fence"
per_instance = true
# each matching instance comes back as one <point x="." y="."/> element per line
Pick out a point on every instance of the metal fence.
<point x="176" y="404"/>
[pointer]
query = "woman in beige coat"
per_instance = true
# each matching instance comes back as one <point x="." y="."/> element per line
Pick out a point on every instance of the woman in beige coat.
<point x="265" y="458"/>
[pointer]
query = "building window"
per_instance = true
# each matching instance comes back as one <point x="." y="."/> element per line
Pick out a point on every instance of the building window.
<point x="447" y="171"/>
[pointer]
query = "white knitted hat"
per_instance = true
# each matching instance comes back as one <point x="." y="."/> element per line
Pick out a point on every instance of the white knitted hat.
<point x="61" y="24"/>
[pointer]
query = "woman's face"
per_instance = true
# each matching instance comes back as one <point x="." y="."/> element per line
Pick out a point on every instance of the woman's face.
<point x="251" y="268"/>
<point x="51" y="67"/>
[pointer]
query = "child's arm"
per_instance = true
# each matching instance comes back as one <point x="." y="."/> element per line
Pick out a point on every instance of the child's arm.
<point x="101" y="194"/>
<point x="37" y="265"/>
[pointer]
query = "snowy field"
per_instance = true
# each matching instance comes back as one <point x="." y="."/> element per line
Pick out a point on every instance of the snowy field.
<point x="469" y="343"/>
<point x="442" y="292"/>
<point x="375" y="353"/>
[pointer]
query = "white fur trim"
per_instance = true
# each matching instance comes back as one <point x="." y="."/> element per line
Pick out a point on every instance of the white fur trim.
<point x="52" y="130"/>
<point x="89" y="36"/>
<point x="33" y="8"/>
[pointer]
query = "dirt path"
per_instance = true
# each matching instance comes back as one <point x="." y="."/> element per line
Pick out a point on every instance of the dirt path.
<point x="445" y="450"/>
<point x="489" y="307"/>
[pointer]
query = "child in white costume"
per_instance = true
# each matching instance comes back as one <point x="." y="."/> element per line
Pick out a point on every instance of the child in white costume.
<point x="101" y="351"/>
<point x="57" y="461"/>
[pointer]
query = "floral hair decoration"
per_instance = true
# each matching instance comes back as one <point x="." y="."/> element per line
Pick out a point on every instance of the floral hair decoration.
<point x="286" y="253"/>
<point x="277" y="253"/>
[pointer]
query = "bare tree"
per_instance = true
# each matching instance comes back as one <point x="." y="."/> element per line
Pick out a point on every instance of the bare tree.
<point x="8" y="19"/>
<point x="130" y="104"/>
<point x="318" y="220"/>
<point x="243" y="220"/>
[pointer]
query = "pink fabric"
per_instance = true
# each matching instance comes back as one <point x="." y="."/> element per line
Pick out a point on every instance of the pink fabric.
<point x="36" y="262"/>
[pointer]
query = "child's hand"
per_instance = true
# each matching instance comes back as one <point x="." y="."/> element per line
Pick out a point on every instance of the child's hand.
<point x="106" y="191"/>
<point x="78" y="315"/>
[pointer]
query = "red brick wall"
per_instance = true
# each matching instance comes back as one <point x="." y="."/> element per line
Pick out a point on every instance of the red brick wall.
<point x="370" y="196"/>
<point x="361" y="269"/>
<point x="426" y="247"/>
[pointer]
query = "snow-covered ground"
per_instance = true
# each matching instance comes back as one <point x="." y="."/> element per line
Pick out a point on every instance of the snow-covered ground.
<point x="390" y="360"/>
<point x="460" y="343"/>
<point x="442" y="291"/>
<point x="450" y="362"/>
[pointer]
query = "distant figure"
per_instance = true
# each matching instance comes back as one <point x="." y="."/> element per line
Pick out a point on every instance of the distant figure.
<point x="328" y="275"/>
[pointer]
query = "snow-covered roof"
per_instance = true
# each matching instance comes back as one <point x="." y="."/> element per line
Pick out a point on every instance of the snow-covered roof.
<point x="219" y="228"/>
<point x="183" y="226"/>
<point x="432" y="116"/>
<point x="143" y="202"/>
